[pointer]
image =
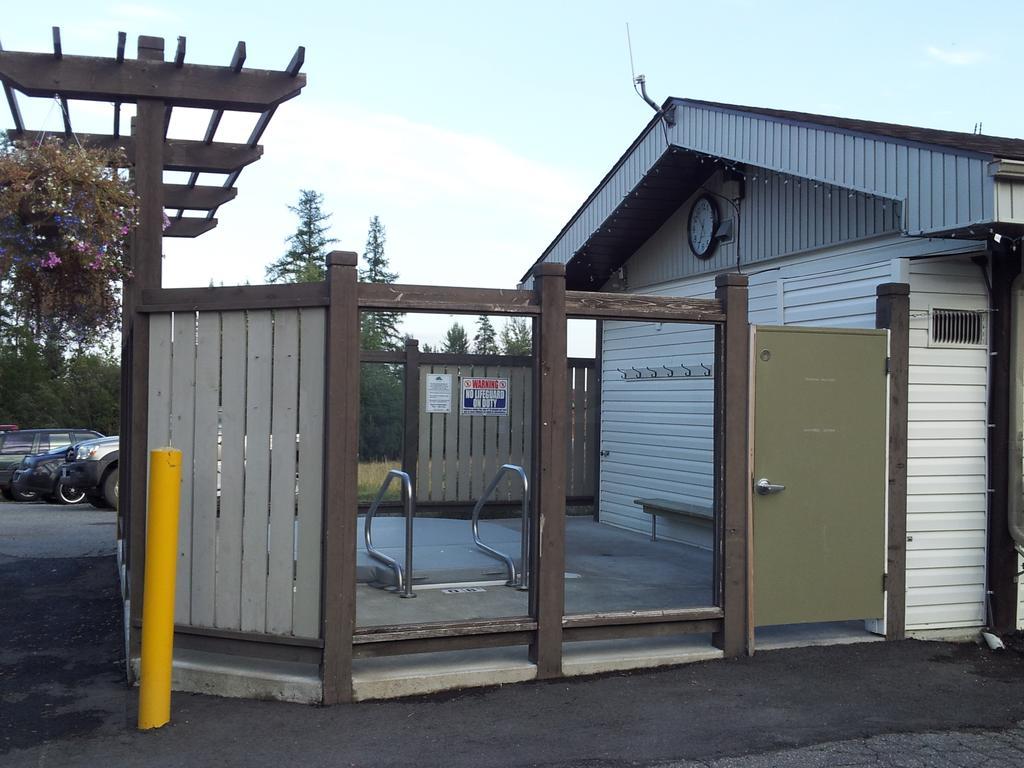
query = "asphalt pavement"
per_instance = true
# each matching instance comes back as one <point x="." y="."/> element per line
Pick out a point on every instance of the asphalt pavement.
<point x="63" y="701"/>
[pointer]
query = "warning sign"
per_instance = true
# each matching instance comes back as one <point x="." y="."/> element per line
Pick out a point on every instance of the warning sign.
<point x="484" y="397"/>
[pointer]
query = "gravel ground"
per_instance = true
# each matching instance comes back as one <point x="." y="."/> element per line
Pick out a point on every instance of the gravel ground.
<point x="63" y="701"/>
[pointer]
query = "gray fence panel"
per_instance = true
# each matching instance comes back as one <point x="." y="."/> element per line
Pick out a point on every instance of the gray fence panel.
<point x="306" y="610"/>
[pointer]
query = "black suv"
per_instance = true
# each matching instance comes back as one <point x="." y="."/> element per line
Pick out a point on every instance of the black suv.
<point x="92" y="468"/>
<point x="39" y="476"/>
<point x="15" y="446"/>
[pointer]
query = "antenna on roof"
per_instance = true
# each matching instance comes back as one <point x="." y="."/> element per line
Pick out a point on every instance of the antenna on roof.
<point x="640" y="85"/>
<point x="977" y="129"/>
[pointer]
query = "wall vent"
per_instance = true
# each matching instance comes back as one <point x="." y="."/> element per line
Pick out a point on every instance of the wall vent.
<point x="958" y="328"/>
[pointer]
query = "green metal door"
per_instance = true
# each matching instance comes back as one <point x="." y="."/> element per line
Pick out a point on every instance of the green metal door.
<point x="819" y="474"/>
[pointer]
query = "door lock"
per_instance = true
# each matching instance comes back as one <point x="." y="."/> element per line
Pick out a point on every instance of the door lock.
<point x="764" y="488"/>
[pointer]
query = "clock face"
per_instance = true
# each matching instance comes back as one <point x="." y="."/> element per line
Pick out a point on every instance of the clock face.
<point x="702" y="226"/>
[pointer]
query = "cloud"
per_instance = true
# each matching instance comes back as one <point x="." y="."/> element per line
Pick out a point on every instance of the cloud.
<point x="955" y="58"/>
<point x="460" y="209"/>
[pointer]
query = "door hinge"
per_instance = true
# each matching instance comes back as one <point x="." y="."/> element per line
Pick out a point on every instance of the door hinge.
<point x="885" y="582"/>
<point x="888" y="366"/>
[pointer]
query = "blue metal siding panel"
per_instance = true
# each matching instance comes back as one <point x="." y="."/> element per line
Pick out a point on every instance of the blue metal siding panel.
<point x="940" y="189"/>
<point x="914" y="179"/>
<point x="780" y="215"/>
<point x="988" y="197"/>
<point x="939" y="184"/>
<point x="951" y="188"/>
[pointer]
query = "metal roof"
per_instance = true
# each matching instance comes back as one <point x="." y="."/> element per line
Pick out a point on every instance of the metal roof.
<point x="997" y="146"/>
<point x="942" y="179"/>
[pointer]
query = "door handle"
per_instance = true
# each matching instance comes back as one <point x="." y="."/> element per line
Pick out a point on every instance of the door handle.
<point x="764" y="488"/>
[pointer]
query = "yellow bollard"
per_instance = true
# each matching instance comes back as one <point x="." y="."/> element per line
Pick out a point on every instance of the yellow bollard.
<point x="158" y="597"/>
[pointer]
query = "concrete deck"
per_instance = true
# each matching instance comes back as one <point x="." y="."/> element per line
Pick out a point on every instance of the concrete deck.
<point x="607" y="569"/>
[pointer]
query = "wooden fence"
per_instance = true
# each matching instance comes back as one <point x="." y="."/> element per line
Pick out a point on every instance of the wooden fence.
<point x="243" y="371"/>
<point x="458" y="455"/>
<point x="232" y="390"/>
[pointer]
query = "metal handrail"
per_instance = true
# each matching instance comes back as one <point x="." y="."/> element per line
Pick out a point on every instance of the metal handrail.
<point x="403" y="576"/>
<point x="522" y="580"/>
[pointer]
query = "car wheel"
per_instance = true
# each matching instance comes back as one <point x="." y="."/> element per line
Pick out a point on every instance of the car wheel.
<point x="110" y="487"/>
<point x="23" y="495"/>
<point x="68" y="495"/>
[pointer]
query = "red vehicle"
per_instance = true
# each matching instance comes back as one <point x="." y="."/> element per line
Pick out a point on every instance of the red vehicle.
<point x="8" y="427"/>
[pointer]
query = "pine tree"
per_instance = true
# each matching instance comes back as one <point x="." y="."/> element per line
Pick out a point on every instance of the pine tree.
<point x="485" y="342"/>
<point x="517" y="337"/>
<point x="305" y="261"/>
<point x="456" y="341"/>
<point x="379" y="329"/>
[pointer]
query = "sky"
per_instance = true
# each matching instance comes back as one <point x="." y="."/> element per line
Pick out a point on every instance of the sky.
<point x="474" y="130"/>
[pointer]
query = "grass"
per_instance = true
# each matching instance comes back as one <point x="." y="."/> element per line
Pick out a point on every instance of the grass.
<point x="372" y="474"/>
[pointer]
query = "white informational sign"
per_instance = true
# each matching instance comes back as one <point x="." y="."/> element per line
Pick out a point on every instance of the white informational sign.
<point x="439" y="393"/>
<point x="484" y="397"/>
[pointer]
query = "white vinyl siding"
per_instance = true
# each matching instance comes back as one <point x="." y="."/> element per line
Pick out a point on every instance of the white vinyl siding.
<point x="658" y="433"/>
<point x="946" y="455"/>
<point x="658" y="448"/>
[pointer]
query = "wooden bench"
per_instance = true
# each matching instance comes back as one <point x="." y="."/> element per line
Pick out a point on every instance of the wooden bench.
<point x="656" y="508"/>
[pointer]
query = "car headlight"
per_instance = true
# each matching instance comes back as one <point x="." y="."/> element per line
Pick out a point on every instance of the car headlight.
<point x="86" y="452"/>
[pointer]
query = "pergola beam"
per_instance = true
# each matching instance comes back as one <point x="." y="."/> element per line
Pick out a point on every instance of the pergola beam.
<point x="192" y="85"/>
<point x="197" y="198"/>
<point x="149" y="81"/>
<point x="189" y="226"/>
<point x="237" y="62"/>
<point x="122" y="38"/>
<point x="12" y="102"/>
<point x="264" y="120"/>
<point x="179" y="154"/>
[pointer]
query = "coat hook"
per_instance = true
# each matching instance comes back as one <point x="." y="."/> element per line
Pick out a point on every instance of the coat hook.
<point x="622" y="372"/>
<point x="654" y="373"/>
<point x="671" y="373"/>
<point x="639" y="375"/>
<point x="707" y="371"/>
<point x="687" y="369"/>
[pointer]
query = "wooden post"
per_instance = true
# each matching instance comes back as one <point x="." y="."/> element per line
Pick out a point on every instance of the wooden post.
<point x="341" y="448"/>
<point x="732" y="486"/>
<point x="892" y="311"/>
<point x="146" y="264"/>
<point x="1002" y="556"/>
<point x="550" y="478"/>
<point x="598" y="383"/>
<point x="411" y="439"/>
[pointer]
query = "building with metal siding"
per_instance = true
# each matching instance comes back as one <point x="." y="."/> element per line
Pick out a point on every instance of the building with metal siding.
<point x="822" y="211"/>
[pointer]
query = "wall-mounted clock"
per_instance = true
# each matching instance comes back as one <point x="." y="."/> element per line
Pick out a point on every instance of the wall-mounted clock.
<point x="703" y="226"/>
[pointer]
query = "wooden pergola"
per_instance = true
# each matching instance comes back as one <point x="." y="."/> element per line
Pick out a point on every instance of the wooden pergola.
<point x="156" y="86"/>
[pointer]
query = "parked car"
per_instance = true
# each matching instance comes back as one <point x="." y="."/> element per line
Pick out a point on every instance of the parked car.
<point x="40" y="476"/>
<point x="91" y="467"/>
<point x="15" y="446"/>
<point x="8" y="427"/>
